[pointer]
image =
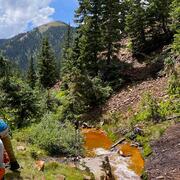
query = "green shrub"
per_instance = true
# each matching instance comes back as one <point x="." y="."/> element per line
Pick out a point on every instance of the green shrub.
<point x="144" y="141"/>
<point x="174" y="84"/>
<point x="149" y="110"/>
<point x="176" y="44"/>
<point x="55" y="137"/>
<point x="169" y="107"/>
<point x="52" y="165"/>
<point x="144" y="175"/>
<point x="115" y="124"/>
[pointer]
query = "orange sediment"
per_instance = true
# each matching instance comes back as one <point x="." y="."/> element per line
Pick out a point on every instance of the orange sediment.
<point x="95" y="139"/>
<point x="98" y="139"/>
<point x="137" y="162"/>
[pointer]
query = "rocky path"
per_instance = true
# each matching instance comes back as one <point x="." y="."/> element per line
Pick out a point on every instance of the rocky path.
<point x="164" y="163"/>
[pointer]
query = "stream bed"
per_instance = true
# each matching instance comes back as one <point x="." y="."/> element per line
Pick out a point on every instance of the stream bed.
<point x="125" y="161"/>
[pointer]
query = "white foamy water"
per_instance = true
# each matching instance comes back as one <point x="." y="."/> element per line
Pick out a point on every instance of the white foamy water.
<point x="118" y="164"/>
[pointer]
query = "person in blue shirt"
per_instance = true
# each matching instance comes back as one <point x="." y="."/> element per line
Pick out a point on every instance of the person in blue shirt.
<point x="5" y="138"/>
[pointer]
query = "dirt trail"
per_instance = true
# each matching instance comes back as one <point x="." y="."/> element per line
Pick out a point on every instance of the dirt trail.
<point x="165" y="161"/>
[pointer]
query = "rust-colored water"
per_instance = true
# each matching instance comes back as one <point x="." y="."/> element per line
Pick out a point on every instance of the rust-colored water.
<point x="95" y="139"/>
<point x="137" y="162"/>
<point x="98" y="139"/>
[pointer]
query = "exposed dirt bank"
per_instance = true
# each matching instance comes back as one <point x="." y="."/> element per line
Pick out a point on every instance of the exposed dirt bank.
<point x="165" y="160"/>
<point x="130" y="96"/>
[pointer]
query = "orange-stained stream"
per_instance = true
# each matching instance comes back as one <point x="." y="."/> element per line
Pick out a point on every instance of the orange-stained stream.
<point x="95" y="139"/>
<point x="136" y="160"/>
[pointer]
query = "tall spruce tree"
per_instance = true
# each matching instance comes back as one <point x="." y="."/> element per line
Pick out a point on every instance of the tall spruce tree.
<point x="175" y="16"/>
<point x="88" y="18"/>
<point x="111" y="27"/>
<point x="67" y="49"/>
<point x="158" y="13"/>
<point x="68" y="42"/>
<point x="47" y="65"/>
<point x="31" y="74"/>
<point x="3" y="67"/>
<point x="135" y="25"/>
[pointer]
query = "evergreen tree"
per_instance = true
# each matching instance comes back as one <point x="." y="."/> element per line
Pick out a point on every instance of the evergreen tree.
<point x="111" y="27"/>
<point x="175" y="16"/>
<point x="18" y="100"/>
<point x="88" y="18"/>
<point x="67" y="49"/>
<point x="69" y="38"/>
<point x="47" y="65"/>
<point x="31" y="76"/>
<point x="123" y="11"/>
<point x="158" y="15"/>
<point x="3" y="67"/>
<point x="135" y="25"/>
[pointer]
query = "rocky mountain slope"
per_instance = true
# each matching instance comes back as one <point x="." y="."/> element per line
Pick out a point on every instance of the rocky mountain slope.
<point x="132" y="94"/>
<point x="19" y="48"/>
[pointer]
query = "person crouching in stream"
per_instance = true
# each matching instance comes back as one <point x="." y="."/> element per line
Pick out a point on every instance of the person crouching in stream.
<point x="6" y="143"/>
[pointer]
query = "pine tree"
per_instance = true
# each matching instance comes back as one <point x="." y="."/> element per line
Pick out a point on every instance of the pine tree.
<point x="69" y="38"/>
<point x="68" y="42"/>
<point x="111" y="27"/>
<point x="158" y="15"/>
<point x="67" y="49"/>
<point x="31" y="76"/>
<point x="47" y="65"/>
<point x="19" y="100"/>
<point x="175" y="16"/>
<point x="88" y="18"/>
<point x="135" y="25"/>
<point x="4" y="67"/>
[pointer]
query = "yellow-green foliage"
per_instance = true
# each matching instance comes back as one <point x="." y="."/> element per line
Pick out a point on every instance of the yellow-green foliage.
<point x="151" y="132"/>
<point x="149" y="110"/>
<point x="174" y="84"/>
<point x="115" y="124"/>
<point x="54" y="168"/>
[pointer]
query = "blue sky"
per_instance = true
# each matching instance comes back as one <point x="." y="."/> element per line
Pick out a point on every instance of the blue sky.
<point x="17" y="16"/>
<point x="64" y="10"/>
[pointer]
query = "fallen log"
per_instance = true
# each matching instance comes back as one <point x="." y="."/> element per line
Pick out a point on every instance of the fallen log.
<point x="117" y="143"/>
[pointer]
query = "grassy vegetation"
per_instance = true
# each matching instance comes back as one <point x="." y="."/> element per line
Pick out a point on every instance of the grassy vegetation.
<point x="28" y="157"/>
<point x="151" y="132"/>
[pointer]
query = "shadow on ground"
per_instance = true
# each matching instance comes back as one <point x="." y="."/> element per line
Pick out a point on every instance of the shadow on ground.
<point x="13" y="175"/>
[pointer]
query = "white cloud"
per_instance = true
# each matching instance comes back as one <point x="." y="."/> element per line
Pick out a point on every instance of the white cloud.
<point x="16" y="15"/>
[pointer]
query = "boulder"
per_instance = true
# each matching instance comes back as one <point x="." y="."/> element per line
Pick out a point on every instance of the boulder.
<point x="21" y="148"/>
<point x="40" y="165"/>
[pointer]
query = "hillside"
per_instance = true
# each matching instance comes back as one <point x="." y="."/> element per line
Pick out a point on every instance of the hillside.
<point x="130" y="96"/>
<point x="19" y="48"/>
<point x="110" y="110"/>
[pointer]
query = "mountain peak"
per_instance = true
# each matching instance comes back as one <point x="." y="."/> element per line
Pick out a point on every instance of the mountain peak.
<point x="43" y="28"/>
<point x="20" y="47"/>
